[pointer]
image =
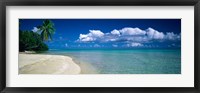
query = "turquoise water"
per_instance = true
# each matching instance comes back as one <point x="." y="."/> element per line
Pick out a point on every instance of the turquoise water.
<point x="128" y="61"/>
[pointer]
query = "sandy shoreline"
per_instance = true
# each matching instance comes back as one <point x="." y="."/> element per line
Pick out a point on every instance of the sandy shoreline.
<point x="47" y="64"/>
<point x="86" y="68"/>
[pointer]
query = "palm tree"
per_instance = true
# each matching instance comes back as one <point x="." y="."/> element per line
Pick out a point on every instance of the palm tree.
<point x="46" y="30"/>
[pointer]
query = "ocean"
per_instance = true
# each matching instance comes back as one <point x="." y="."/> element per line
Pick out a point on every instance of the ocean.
<point x="127" y="61"/>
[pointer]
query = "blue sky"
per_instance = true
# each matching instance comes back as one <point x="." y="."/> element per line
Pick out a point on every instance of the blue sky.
<point x="111" y="33"/>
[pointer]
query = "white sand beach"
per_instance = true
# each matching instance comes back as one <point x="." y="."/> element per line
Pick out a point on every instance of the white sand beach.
<point x="47" y="64"/>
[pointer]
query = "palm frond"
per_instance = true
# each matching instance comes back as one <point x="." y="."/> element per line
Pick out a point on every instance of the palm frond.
<point x="42" y="35"/>
<point x="49" y="34"/>
<point x="47" y="29"/>
<point x="45" y="36"/>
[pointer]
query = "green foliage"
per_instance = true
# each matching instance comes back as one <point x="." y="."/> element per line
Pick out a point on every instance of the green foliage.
<point x="31" y="41"/>
<point x="46" y="30"/>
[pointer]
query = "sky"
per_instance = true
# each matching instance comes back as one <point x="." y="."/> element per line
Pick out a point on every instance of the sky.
<point x="110" y="33"/>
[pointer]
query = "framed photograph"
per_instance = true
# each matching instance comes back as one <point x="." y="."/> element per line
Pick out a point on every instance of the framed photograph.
<point x="100" y="46"/>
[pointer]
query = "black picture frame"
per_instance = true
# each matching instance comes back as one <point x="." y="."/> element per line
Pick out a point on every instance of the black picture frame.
<point x="4" y="3"/>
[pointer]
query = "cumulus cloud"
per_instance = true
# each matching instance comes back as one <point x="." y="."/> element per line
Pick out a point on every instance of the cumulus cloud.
<point x="96" y="33"/>
<point x="35" y="29"/>
<point x="91" y="36"/>
<point x="85" y="38"/>
<point x="115" y="32"/>
<point x="128" y="35"/>
<point x="172" y="36"/>
<point x="154" y="34"/>
<point x="132" y="31"/>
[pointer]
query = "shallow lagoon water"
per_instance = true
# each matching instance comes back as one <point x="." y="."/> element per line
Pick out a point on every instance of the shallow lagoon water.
<point x="127" y="61"/>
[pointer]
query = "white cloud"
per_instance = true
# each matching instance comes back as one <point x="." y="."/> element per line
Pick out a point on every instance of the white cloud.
<point x="91" y="36"/>
<point x="35" y="29"/>
<point x="154" y="34"/>
<point x="129" y="34"/>
<point x="172" y="36"/>
<point x="115" y="32"/>
<point x="86" y="38"/>
<point x="95" y="33"/>
<point x="82" y="36"/>
<point x="134" y="44"/>
<point x="132" y="31"/>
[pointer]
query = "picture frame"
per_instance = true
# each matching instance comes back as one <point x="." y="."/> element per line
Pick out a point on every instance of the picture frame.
<point x="5" y="89"/>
